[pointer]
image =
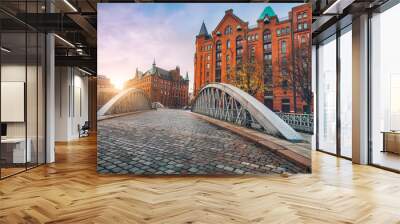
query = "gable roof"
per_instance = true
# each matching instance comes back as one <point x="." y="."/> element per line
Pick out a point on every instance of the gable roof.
<point x="229" y="13"/>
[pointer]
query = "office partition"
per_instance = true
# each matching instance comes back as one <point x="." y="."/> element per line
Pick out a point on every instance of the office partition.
<point x="22" y="77"/>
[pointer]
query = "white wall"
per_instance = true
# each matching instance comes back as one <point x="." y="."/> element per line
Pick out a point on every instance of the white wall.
<point x="71" y="94"/>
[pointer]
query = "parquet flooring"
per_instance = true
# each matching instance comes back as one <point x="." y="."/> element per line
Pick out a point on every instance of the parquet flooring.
<point x="70" y="191"/>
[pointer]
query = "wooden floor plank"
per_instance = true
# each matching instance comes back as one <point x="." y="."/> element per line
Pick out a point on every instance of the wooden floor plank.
<point x="70" y="191"/>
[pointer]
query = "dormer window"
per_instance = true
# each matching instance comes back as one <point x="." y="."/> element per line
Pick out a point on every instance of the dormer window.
<point x="218" y="33"/>
<point x="238" y="28"/>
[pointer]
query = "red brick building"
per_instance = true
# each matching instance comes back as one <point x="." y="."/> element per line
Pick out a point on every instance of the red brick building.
<point x="269" y="43"/>
<point x="167" y="87"/>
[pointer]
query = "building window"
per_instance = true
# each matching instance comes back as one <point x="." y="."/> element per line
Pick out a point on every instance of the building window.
<point x="283" y="47"/>
<point x="228" y="72"/>
<point x="303" y="39"/>
<point x="218" y="56"/>
<point x="228" y="44"/>
<point x="208" y="66"/>
<point x="267" y="47"/>
<point x="228" y="57"/>
<point x="228" y="30"/>
<point x="278" y="32"/>
<point x="285" y="105"/>
<point x="299" y="26"/>
<point x="285" y="84"/>
<point x="218" y="45"/>
<point x="239" y="42"/>
<point x="267" y="36"/>
<point x="268" y="57"/>
<point x="284" y="65"/>
<point x="218" y="75"/>
<point x="252" y="54"/>
<point x="305" y="26"/>
<point x="239" y="50"/>
<point x="208" y="57"/>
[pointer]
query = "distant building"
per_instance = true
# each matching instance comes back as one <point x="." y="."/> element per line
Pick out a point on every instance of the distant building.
<point x="269" y="43"/>
<point x="105" y="90"/>
<point x="165" y="86"/>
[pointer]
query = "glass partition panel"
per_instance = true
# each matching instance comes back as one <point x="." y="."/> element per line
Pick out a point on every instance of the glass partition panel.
<point x="346" y="92"/>
<point x="22" y="88"/>
<point x="327" y="95"/>
<point x="41" y="98"/>
<point x="14" y="153"/>
<point x="31" y="98"/>
<point x="385" y="89"/>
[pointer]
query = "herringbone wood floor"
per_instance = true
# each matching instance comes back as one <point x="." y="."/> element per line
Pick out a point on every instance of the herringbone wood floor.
<point x="70" y="191"/>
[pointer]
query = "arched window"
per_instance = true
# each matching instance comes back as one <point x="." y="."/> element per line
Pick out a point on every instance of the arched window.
<point x="228" y="44"/>
<point x="228" y="30"/>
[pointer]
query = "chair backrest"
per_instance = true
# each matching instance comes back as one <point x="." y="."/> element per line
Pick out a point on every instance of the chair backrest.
<point x="86" y="125"/>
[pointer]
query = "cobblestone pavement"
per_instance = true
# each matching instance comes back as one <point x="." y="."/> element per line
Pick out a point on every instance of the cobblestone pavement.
<point x="176" y="142"/>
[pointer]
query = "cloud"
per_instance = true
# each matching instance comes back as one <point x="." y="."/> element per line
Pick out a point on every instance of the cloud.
<point x="130" y="36"/>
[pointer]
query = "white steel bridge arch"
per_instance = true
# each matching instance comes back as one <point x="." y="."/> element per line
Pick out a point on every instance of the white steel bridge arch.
<point x="227" y="102"/>
<point x="129" y="100"/>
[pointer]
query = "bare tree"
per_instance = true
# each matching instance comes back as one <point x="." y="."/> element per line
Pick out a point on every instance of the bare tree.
<point x="248" y="77"/>
<point x="301" y="73"/>
<point x="298" y="74"/>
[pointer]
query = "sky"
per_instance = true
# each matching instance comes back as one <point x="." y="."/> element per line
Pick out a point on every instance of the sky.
<point x="132" y="35"/>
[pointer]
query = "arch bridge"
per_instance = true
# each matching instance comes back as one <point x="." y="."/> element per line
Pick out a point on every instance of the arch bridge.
<point x="229" y="103"/>
<point x="129" y="100"/>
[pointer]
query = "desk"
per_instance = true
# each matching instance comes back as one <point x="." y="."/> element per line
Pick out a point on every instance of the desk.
<point x="391" y="141"/>
<point x="17" y="152"/>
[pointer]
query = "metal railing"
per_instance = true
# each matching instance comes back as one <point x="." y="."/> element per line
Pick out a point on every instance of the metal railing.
<point x="229" y="103"/>
<point x="299" y="122"/>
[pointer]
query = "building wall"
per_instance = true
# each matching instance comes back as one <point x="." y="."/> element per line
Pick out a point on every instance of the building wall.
<point x="206" y="53"/>
<point x="171" y="93"/>
<point x="71" y="103"/>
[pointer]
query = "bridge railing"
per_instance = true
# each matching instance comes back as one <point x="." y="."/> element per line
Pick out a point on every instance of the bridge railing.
<point x="229" y="103"/>
<point x="299" y="122"/>
<point x="129" y="100"/>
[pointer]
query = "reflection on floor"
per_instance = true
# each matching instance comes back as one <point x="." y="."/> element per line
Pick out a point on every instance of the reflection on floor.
<point x="10" y="171"/>
<point x="386" y="159"/>
<point x="70" y="191"/>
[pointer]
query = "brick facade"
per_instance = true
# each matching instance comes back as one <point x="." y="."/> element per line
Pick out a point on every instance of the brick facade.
<point x="167" y="87"/>
<point x="269" y="43"/>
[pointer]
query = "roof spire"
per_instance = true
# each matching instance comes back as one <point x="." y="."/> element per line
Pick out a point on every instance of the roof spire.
<point x="154" y="62"/>
<point x="187" y="76"/>
<point x="203" y="30"/>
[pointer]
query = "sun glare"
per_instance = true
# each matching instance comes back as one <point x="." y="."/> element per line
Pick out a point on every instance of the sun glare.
<point x="118" y="83"/>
